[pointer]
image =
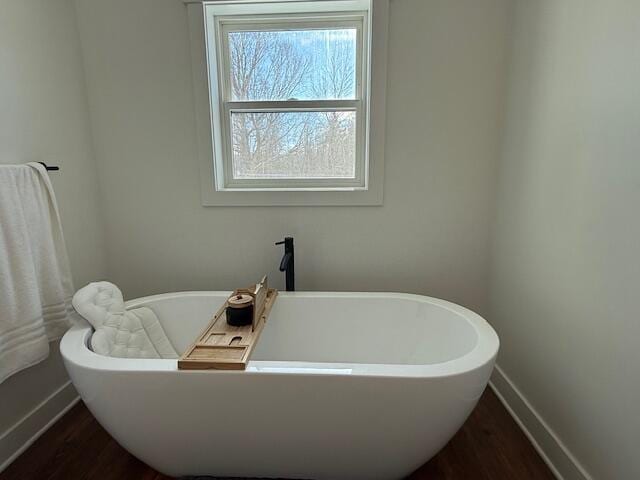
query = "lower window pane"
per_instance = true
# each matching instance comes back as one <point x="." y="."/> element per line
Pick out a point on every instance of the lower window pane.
<point x="293" y="145"/>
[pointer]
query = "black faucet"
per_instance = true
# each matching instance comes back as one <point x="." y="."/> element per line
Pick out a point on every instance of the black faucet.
<point x="287" y="264"/>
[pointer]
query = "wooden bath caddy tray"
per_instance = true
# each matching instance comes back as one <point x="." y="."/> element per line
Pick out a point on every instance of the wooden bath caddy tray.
<point x="224" y="347"/>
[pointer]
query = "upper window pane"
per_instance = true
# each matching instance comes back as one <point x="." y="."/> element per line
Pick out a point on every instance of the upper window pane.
<point x="317" y="64"/>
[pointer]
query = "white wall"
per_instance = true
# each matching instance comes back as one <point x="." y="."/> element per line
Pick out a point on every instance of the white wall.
<point x="566" y="252"/>
<point x="564" y="262"/>
<point x="44" y="117"/>
<point x="431" y="235"/>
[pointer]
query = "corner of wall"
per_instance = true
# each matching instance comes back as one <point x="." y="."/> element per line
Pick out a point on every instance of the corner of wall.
<point x="30" y="427"/>
<point x="554" y="453"/>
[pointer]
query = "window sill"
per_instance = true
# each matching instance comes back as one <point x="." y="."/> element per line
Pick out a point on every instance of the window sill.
<point x="292" y="198"/>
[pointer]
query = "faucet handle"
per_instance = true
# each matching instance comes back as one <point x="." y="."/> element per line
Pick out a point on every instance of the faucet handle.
<point x="280" y="242"/>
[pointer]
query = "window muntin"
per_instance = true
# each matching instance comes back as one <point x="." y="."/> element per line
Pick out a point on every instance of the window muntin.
<point x="288" y="99"/>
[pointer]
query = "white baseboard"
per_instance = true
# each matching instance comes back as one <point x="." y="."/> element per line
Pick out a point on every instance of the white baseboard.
<point x="555" y="454"/>
<point x="26" y="431"/>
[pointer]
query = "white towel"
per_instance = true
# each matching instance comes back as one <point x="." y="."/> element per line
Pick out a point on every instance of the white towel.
<point x="135" y="333"/>
<point x="35" y="279"/>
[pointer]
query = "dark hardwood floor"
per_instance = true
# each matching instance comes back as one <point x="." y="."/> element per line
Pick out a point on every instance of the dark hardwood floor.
<point x="490" y="446"/>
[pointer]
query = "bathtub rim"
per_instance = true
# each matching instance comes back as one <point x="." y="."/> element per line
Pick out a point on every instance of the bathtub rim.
<point x="74" y="347"/>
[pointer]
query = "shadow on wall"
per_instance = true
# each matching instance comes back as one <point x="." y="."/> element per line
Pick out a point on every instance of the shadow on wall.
<point x="565" y="257"/>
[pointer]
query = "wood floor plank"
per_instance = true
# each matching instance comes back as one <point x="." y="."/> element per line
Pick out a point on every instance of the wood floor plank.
<point x="490" y="446"/>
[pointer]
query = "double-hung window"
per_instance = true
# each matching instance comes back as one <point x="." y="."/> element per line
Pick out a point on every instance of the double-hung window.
<point x="289" y="98"/>
<point x="288" y="87"/>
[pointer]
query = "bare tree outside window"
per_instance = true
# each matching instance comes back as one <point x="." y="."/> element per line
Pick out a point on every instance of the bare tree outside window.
<point x="317" y="64"/>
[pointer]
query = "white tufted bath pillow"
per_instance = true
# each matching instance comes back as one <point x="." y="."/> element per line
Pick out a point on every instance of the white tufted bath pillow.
<point x="135" y="333"/>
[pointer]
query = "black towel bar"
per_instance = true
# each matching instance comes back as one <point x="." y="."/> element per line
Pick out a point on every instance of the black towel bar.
<point x="49" y="167"/>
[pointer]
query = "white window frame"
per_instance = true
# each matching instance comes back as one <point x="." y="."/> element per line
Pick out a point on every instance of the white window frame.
<point x="209" y="24"/>
<point x="223" y="106"/>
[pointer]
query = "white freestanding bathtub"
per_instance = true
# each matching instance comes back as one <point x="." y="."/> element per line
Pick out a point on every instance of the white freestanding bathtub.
<point x="341" y="386"/>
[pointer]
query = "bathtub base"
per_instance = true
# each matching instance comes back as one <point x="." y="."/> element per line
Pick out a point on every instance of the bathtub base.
<point x="326" y="427"/>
